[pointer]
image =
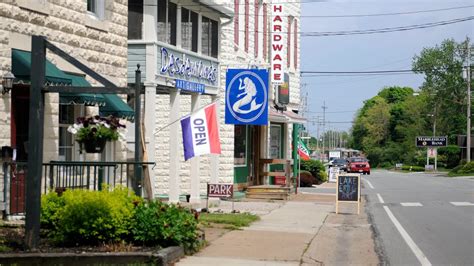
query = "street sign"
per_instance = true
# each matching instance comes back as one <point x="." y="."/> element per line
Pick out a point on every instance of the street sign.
<point x="431" y="141"/>
<point x="220" y="190"/>
<point x="348" y="190"/>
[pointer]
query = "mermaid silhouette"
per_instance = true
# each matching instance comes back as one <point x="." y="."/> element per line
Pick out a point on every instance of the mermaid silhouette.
<point x="250" y="91"/>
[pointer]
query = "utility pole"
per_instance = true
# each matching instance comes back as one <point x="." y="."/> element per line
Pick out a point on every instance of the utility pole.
<point x="468" y="132"/>
<point x="324" y="124"/>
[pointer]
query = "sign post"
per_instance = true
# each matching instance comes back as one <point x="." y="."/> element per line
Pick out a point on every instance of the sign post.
<point x="348" y="190"/>
<point x="432" y="143"/>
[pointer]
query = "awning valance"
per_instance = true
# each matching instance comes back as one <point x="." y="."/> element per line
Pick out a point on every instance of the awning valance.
<point x="115" y="106"/>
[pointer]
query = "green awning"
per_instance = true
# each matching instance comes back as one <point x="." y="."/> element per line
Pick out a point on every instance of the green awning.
<point x="110" y="104"/>
<point x="21" y="68"/>
<point x="114" y="105"/>
<point x="88" y="99"/>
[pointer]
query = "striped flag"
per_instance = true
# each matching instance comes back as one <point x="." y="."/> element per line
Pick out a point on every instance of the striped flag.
<point x="303" y="150"/>
<point x="201" y="133"/>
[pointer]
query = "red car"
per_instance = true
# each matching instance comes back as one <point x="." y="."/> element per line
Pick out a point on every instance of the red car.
<point x="358" y="165"/>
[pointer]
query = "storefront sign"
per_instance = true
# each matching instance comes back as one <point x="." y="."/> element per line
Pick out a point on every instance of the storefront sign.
<point x="186" y="67"/>
<point x="348" y="190"/>
<point x="189" y="86"/>
<point x="277" y="44"/>
<point x="284" y="90"/>
<point x="246" y="98"/>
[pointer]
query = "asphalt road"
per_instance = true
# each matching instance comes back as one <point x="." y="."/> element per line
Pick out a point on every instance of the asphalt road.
<point x="421" y="219"/>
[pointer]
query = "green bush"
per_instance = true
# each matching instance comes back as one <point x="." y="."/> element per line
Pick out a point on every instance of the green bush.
<point x="307" y="179"/>
<point x="157" y="223"/>
<point x="323" y="177"/>
<point x="468" y="168"/>
<point x="316" y="168"/>
<point x="413" y="168"/>
<point x="89" y="217"/>
<point x="386" y="165"/>
<point x="452" y="154"/>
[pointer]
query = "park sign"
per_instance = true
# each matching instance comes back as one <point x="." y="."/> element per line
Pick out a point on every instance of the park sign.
<point x="432" y="141"/>
<point x="220" y="190"/>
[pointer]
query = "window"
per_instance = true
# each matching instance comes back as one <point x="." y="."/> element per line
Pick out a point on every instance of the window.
<point x="135" y="19"/>
<point x="275" y="141"/>
<point x="247" y="23"/>
<point x="256" y="27"/>
<point x="189" y="30"/>
<point x="167" y="12"/>
<point x="240" y="141"/>
<point x="295" y="53"/>
<point x="67" y="115"/>
<point x="209" y="37"/>
<point x="96" y="8"/>
<point x="236" y="22"/>
<point x="265" y="32"/>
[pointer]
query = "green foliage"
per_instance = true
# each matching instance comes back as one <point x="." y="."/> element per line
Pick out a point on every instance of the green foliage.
<point x="323" y="176"/>
<point x="235" y="219"/>
<point x="465" y="169"/>
<point x="157" y="223"/>
<point x="89" y="217"/>
<point x="452" y="153"/>
<point x="315" y="167"/>
<point x="413" y="168"/>
<point x="307" y="179"/>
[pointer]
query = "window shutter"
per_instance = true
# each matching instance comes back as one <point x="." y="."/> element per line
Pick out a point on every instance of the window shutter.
<point x="247" y="10"/>
<point x="295" y="32"/>
<point x="265" y="32"/>
<point x="256" y="28"/>
<point x="288" y="44"/>
<point x="236" y="22"/>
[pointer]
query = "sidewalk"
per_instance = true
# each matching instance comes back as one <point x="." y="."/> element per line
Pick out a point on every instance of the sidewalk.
<point x="302" y="231"/>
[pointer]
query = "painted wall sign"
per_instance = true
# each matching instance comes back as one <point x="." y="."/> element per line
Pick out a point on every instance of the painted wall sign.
<point x="277" y="44"/>
<point x="220" y="190"/>
<point x="190" y="86"/>
<point x="284" y="90"/>
<point x="246" y="98"/>
<point x="187" y="67"/>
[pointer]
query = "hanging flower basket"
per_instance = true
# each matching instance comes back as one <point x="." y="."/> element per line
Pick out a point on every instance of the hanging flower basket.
<point x="93" y="132"/>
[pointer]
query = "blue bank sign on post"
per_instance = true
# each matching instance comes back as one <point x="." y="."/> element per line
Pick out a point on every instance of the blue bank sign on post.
<point x="246" y="101"/>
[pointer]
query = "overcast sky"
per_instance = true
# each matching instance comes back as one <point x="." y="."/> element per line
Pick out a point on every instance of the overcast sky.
<point x="386" y="51"/>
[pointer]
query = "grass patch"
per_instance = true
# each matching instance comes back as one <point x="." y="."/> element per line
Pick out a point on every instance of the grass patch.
<point x="232" y="220"/>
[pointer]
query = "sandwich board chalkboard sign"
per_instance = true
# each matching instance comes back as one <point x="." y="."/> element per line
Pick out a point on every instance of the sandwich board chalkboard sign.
<point x="348" y="190"/>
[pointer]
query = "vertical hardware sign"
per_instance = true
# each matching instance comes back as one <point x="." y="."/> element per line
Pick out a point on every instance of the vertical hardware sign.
<point x="277" y="44"/>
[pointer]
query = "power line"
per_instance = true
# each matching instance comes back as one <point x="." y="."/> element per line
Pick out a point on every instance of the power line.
<point x="386" y="30"/>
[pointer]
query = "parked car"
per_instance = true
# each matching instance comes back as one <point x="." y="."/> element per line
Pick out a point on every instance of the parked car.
<point x="358" y="165"/>
<point x="340" y="163"/>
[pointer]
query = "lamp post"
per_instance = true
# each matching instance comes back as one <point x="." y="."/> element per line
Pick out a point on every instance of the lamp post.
<point x="468" y="132"/>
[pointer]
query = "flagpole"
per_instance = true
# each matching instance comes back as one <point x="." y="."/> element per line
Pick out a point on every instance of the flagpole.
<point x="179" y="119"/>
<point x="299" y="173"/>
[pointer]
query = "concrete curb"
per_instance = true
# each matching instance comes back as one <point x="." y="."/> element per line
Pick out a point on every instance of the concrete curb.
<point x="166" y="256"/>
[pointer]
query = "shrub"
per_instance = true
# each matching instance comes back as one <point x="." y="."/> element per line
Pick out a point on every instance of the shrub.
<point x="314" y="167"/>
<point x="468" y="168"/>
<point x="89" y="217"/>
<point x="452" y="153"/>
<point x="386" y="165"/>
<point x="307" y="179"/>
<point x="323" y="177"/>
<point x="157" y="223"/>
<point x="413" y="168"/>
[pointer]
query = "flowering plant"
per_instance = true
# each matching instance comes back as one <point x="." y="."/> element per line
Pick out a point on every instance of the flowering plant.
<point x="97" y="129"/>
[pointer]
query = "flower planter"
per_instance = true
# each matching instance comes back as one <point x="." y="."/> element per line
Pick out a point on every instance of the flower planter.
<point x="94" y="146"/>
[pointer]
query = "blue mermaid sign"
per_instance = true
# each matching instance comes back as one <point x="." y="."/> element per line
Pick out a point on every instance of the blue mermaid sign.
<point x="246" y="97"/>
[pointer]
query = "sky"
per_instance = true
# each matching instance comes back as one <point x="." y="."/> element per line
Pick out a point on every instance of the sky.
<point x="343" y="96"/>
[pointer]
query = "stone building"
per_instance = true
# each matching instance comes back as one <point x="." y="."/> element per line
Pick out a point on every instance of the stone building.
<point x="95" y="33"/>
<point x="220" y="35"/>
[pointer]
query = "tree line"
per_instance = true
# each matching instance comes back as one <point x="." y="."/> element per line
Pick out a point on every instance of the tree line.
<point x="386" y="126"/>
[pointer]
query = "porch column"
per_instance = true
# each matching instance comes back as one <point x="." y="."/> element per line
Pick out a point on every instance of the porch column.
<point x="150" y="16"/>
<point x="215" y="157"/>
<point x="195" y="161"/>
<point x="149" y="120"/>
<point x="175" y="179"/>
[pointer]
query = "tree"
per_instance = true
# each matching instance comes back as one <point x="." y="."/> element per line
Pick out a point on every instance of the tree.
<point x="444" y="85"/>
